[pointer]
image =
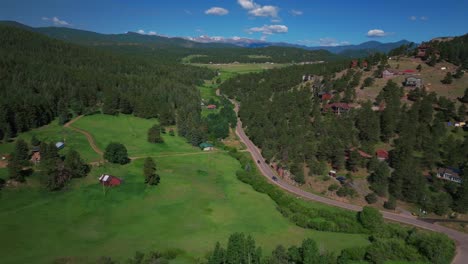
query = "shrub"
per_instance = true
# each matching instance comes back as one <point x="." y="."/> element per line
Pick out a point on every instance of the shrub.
<point x="116" y="153"/>
<point x="333" y="187"/>
<point x="390" y="204"/>
<point x="371" y="198"/>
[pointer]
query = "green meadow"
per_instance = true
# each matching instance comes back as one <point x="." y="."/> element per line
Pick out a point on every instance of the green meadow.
<point x="199" y="201"/>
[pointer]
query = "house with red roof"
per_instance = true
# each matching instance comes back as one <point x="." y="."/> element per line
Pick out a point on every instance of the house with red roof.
<point x="337" y="108"/>
<point x="109" y="180"/>
<point x="211" y="106"/>
<point x="382" y="154"/>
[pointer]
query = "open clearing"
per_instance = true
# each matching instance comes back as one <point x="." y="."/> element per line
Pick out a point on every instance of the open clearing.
<point x="199" y="201"/>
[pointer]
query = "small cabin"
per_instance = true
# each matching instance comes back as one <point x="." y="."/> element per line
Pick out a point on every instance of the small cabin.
<point x="109" y="180"/>
<point x="382" y="154"/>
<point x="449" y="174"/>
<point x="211" y="106"/>
<point x="206" y="146"/>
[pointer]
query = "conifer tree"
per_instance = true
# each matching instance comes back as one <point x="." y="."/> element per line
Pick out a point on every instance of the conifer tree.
<point x="149" y="171"/>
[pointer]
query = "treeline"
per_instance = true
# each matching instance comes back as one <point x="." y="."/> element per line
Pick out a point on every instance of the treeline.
<point x="42" y="79"/>
<point x="262" y="55"/>
<point x="293" y="128"/>
<point x="420" y="247"/>
<point x="454" y="51"/>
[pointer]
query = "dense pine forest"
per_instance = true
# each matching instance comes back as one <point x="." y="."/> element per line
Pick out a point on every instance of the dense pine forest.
<point x="294" y="127"/>
<point x="42" y="79"/>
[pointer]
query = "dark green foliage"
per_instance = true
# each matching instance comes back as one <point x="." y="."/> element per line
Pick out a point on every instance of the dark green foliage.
<point x="171" y="133"/>
<point x="218" y="126"/>
<point x="34" y="141"/>
<point x="367" y="122"/>
<point x="390" y="204"/>
<point x="390" y="94"/>
<point x="149" y="171"/>
<point x="116" y="153"/>
<point x="464" y="99"/>
<point x="436" y="248"/>
<point x="419" y="68"/>
<point x="333" y="187"/>
<point x="369" y="81"/>
<point x="371" y="218"/>
<point x="38" y="69"/>
<point x="379" y="179"/>
<point x="154" y="134"/>
<point x="15" y="169"/>
<point x="346" y="191"/>
<point x="371" y="198"/>
<point x="75" y="165"/>
<point x="21" y="151"/>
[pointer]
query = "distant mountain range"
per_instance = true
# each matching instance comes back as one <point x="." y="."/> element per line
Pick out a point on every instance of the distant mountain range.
<point x="362" y="49"/>
<point x="203" y="42"/>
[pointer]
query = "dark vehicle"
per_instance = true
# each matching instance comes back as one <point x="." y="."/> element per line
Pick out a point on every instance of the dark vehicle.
<point x="341" y="179"/>
<point x="258" y="161"/>
<point x="274" y="178"/>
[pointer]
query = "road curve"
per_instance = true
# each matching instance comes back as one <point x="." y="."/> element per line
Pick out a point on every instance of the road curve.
<point x="88" y="136"/>
<point x="460" y="238"/>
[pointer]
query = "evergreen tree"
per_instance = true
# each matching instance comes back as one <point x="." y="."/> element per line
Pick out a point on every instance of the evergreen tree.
<point x="367" y="122"/>
<point x="279" y="256"/>
<point x="75" y="165"/>
<point x="34" y="141"/>
<point x="149" y="171"/>
<point x="154" y="134"/>
<point x="461" y="198"/>
<point x="218" y="255"/>
<point x="21" y="152"/>
<point x="353" y="161"/>
<point x="15" y="169"/>
<point x="116" y="153"/>
<point x="419" y="68"/>
<point x="379" y="179"/>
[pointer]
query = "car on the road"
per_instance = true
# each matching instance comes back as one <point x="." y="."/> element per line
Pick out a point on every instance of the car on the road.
<point x="274" y="178"/>
<point x="258" y="161"/>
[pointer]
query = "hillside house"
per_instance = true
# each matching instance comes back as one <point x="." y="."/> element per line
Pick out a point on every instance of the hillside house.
<point x="382" y="154"/>
<point x="353" y="64"/>
<point x="36" y="155"/>
<point x="413" y="81"/>
<point x="449" y="174"/>
<point x="211" y="107"/>
<point x="109" y="180"/>
<point x="307" y="77"/>
<point x="422" y="51"/>
<point x="325" y="96"/>
<point x="338" y="108"/>
<point x="206" y="146"/>
<point x="364" y="64"/>
<point x="387" y="74"/>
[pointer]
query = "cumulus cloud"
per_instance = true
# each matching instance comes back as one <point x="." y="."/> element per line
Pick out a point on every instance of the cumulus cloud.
<point x="56" y="21"/>
<point x="296" y="12"/>
<point x="422" y="18"/>
<point x="269" y="29"/>
<point x="247" y="4"/>
<point x="141" y="31"/>
<point x="152" y="33"/>
<point x="376" y="33"/>
<point x="258" y="10"/>
<point x="217" y="11"/>
<point x="413" y="18"/>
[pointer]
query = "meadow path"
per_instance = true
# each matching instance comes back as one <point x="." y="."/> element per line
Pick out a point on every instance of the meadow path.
<point x="461" y="239"/>
<point x="88" y="136"/>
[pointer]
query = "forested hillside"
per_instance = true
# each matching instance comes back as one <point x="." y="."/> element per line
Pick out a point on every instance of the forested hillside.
<point x="294" y="126"/>
<point x="42" y="78"/>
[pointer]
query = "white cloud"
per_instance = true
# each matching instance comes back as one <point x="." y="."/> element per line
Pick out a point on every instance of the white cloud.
<point x="269" y="29"/>
<point x="218" y="11"/>
<point x="376" y="33"/>
<point x="258" y="10"/>
<point x="247" y="4"/>
<point x="56" y="21"/>
<point x="141" y="31"/>
<point x="424" y="18"/>
<point x="152" y="33"/>
<point x="265" y="11"/>
<point x="413" y="18"/>
<point x="296" y="12"/>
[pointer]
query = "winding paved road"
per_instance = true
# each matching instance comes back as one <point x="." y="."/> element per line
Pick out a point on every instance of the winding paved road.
<point x="460" y="238"/>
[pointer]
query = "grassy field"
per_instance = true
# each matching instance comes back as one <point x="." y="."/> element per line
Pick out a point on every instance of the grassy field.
<point x="199" y="201"/>
<point x="240" y="68"/>
<point x="54" y="133"/>
<point x="132" y="132"/>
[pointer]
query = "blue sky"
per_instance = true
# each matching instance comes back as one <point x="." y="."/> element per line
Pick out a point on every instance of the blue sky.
<point x="309" y="22"/>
